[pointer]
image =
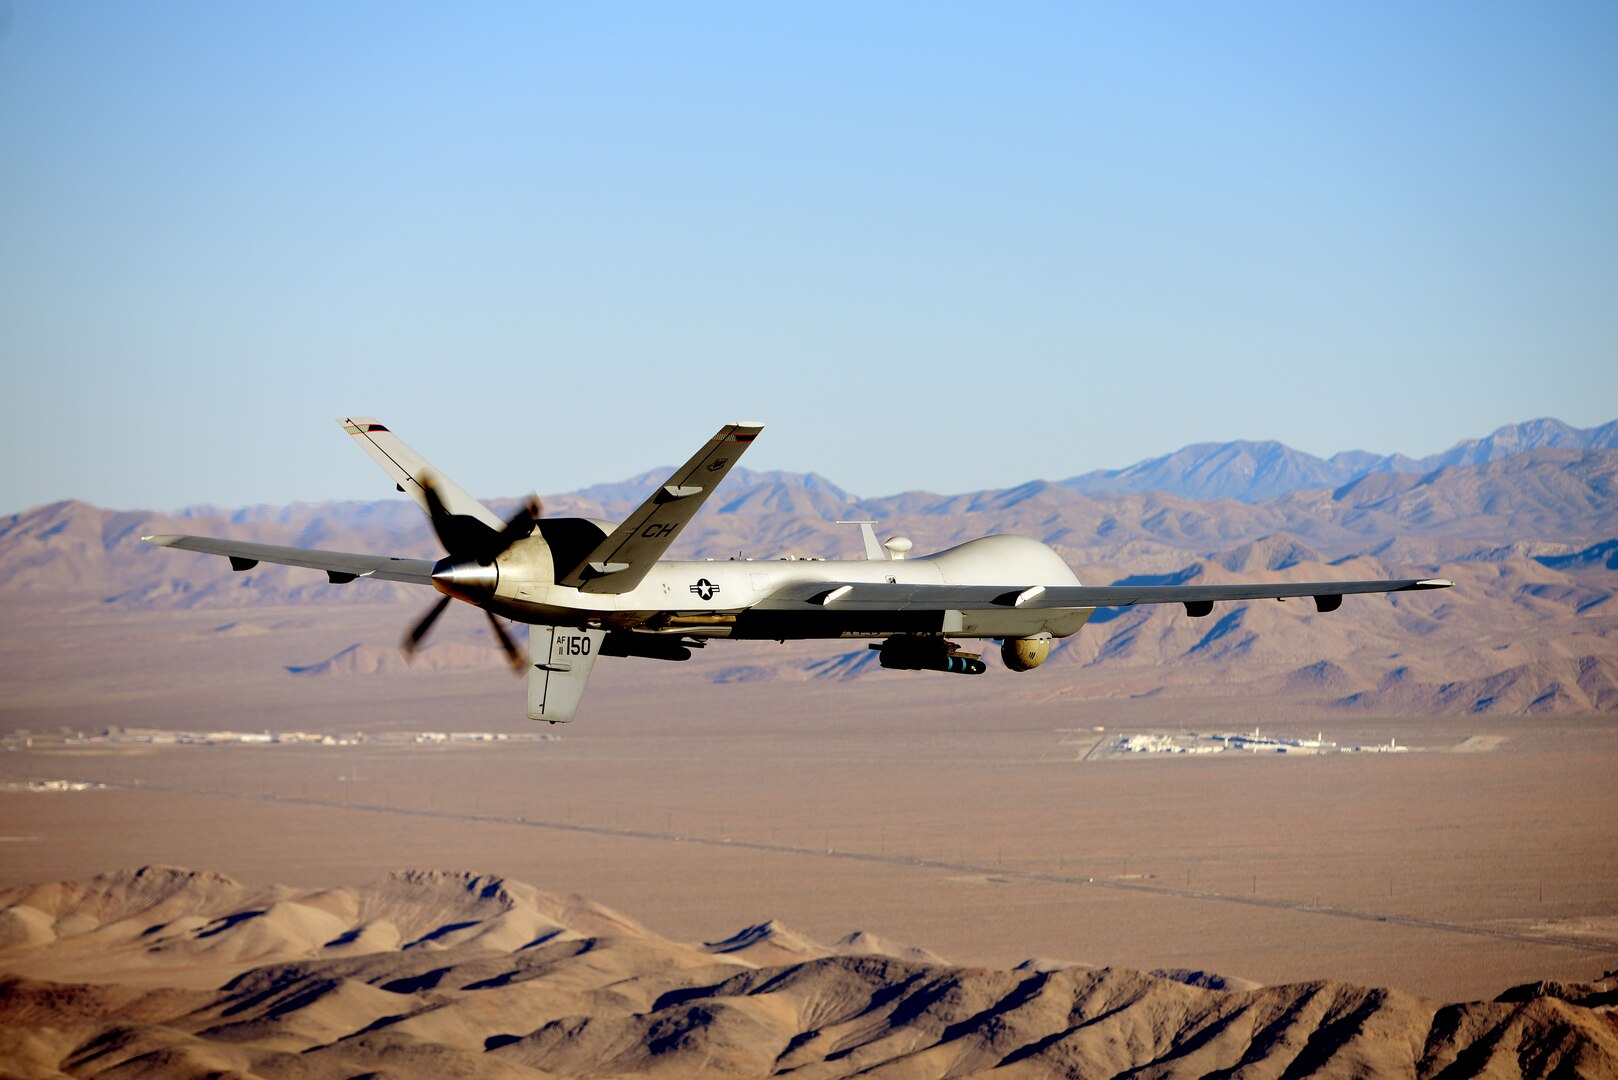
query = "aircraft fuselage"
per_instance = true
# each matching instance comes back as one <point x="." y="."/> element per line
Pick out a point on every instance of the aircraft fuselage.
<point x="731" y="597"/>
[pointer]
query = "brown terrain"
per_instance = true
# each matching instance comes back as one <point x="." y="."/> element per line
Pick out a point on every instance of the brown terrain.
<point x="161" y="972"/>
<point x="760" y="787"/>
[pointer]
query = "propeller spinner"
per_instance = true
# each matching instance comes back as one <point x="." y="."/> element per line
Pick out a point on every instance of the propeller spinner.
<point x="469" y="571"/>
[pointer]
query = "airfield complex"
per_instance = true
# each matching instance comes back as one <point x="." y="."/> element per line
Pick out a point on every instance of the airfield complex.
<point x="23" y="740"/>
<point x="1141" y="743"/>
<point x="1251" y="742"/>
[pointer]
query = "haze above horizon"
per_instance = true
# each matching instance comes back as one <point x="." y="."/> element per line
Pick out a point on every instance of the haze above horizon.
<point x="943" y="248"/>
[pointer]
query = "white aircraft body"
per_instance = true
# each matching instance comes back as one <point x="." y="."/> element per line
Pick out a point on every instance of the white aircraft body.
<point x="592" y="588"/>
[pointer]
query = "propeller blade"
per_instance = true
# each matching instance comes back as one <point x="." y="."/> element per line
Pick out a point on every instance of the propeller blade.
<point x="413" y="639"/>
<point x="436" y="510"/>
<point x="518" y="527"/>
<point x="467" y="538"/>
<point x="512" y="653"/>
<point x="463" y="536"/>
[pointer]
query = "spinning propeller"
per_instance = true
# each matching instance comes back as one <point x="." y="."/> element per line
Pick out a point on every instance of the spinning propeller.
<point x="469" y="571"/>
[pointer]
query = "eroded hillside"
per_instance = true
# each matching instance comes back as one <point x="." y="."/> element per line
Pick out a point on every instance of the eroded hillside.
<point x="162" y="972"/>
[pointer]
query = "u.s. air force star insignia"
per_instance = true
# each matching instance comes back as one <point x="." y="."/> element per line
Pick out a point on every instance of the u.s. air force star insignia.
<point x="704" y="589"/>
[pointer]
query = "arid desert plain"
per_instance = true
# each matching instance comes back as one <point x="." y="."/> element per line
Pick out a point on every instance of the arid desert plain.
<point x="960" y="816"/>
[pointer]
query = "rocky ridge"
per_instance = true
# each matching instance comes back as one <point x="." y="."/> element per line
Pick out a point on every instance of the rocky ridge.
<point x="162" y="972"/>
<point x="1255" y="471"/>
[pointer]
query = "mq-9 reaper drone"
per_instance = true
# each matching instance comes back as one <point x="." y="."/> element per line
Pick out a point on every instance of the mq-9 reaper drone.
<point x="593" y="588"/>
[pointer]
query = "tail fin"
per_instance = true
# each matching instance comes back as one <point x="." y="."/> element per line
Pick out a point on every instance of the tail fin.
<point x="559" y="663"/>
<point x="404" y="465"/>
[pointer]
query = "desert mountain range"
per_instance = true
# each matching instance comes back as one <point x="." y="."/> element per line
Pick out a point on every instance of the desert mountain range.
<point x="1525" y="521"/>
<point x="162" y="972"/>
<point x="1255" y="471"/>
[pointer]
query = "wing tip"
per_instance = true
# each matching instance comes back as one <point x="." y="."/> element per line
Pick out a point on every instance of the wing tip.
<point x="1434" y="583"/>
<point x="163" y="539"/>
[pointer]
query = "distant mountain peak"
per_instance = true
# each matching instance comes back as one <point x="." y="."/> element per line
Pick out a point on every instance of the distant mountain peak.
<point x="1255" y="470"/>
<point x="622" y="496"/>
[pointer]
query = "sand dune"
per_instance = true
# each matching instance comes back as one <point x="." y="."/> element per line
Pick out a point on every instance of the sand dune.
<point x="770" y="943"/>
<point x="767" y="943"/>
<point x="162" y="973"/>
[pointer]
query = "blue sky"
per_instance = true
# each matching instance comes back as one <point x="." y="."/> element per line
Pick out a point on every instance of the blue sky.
<point x="932" y="245"/>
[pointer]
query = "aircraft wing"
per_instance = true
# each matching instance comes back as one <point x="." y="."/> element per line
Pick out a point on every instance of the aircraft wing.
<point x="622" y="560"/>
<point x="1198" y="599"/>
<point x="405" y="468"/>
<point x="340" y="566"/>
